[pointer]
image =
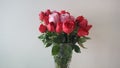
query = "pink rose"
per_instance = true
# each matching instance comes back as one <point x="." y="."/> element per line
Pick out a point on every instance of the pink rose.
<point x="54" y="17"/>
<point x="64" y="17"/>
<point x="68" y="26"/>
<point x="42" y="28"/>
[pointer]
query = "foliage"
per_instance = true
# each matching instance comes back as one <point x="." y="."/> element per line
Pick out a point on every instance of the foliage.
<point x="54" y="39"/>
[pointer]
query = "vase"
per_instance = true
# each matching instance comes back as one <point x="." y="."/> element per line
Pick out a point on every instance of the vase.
<point x="63" y="58"/>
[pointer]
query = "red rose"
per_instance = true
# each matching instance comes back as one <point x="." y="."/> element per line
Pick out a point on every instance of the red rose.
<point x="51" y="27"/>
<point x="42" y="28"/>
<point x="88" y="27"/>
<point x="63" y="12"/>
<point x="59" y="27"/>
<point x="68" y="26"/>
<point x="83" y="23"/>
<point x="84" y="27"/>
<point x="72" y="18"/>
<point x="47" y="12"/>
<point x="46" y="20"/>
<point x="41" y="15"/>
<point x="79" y="18"/>
<point x="84" y="31"/>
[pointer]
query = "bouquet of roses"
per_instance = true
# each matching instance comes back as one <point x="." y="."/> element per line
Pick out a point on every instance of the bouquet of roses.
<point x="62" y="27"/>
<point x="64" y="32"/>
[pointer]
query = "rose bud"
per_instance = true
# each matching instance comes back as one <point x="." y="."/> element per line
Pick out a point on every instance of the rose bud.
<point x="46" y="18"/>
<point x="59" y="27"/>
<point x="42" y="28"/>
<point x="79" y="19"/>
<point x="83" y="23"/>
<point x="41" y="15"/>
<point x="51" y="27"/>
<point x="84" y="31"/>
<point x="48" y="12"/>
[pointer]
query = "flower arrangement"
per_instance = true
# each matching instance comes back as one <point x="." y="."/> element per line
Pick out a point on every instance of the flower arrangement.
<point x="64" y="33"/>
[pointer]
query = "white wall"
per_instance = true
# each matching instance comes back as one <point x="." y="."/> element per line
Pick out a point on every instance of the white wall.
<point x="20" y="47"/>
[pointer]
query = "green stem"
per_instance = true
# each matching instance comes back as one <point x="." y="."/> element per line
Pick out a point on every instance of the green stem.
<point x="68" y="38"/>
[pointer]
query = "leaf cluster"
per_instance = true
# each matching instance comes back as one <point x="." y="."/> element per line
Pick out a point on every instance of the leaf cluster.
<point x="52" y="38"/>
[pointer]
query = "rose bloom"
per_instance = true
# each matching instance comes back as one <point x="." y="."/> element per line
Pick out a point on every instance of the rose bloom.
<point x="54" y="17"/>
<point x="45" y="20"/>
<point x="64" y="12"/>
<point x="72" y="18"/>
<point x="84" y="28"/>
<point x="51" y="27"/>
<point x="42" y="28"/>
<point x="68" y="26"/>
<point x="41" y="15"/>
<point x="47" y="12"/>
<point x="83" y="23"/>
<point x="84" y="31"/>
<point x="79" y="19"/>
<point x="64" y="17"/>
<point x="59" y="27"/>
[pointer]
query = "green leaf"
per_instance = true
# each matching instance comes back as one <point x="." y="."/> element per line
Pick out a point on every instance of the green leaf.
<point x="55" y="49"/>
<point x="41" y="36"/>
<point x="77" y="49"/>
<point x="82" y="40"/>
<point x="80" y="44"/>
<point x="48" y="44"/>
<point x="87" y="37"/>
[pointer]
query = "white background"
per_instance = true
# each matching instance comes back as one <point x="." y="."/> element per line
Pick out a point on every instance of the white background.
<point x="20" y="47"/>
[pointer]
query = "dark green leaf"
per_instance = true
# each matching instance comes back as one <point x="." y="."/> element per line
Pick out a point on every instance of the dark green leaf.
<point x="48" y="44"/>
<point x="86" y="37"/>
<point x="77" y="49"/>
<point x="80" y="44"/>
<point x="41" y="36"/>
<point x="55" y="49"/>
<point x="82" y="40"/>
